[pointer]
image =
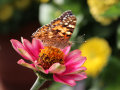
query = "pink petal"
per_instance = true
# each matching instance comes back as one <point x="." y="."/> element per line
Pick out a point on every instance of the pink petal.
<point x="66" y="50"/>
<point x="23" y="63"/>
<point x="72" y="55"/>
<point x="25" y="53"/>
<point x="64" y="79"/>
<point x="29" y="48"/>
<point x="73" y="70"/>
<point x="81" y="76"/>
<point x="77" y="62"/>
<point x="16" y="44"/>
<point x="76" y="77"/>
<point x="57" y="68"/>
<point x="37" y="44"/>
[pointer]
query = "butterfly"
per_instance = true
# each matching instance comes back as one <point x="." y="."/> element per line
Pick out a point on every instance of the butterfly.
<point x="58" y="32"/>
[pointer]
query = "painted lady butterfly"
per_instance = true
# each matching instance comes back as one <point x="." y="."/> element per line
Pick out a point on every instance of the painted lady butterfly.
<point x="58" y="32"/>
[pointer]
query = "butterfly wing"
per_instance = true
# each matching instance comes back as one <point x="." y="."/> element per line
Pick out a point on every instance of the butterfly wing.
<point x="58" y="32"/>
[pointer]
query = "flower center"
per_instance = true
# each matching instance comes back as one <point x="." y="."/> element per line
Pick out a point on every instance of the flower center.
<point x="50" y="55"/>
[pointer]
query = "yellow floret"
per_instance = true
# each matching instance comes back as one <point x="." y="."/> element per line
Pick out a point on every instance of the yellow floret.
<point x="97" y="51"/>
<point x="98" y="7"/>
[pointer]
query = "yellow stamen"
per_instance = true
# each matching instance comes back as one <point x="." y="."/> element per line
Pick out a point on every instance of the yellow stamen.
<point x="50" y="55"/>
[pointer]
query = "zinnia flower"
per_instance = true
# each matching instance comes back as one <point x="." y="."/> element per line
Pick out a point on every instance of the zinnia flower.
<point x="97" y="51"/>
<point x="98" y="7"/>
<point x="65" y="68"/>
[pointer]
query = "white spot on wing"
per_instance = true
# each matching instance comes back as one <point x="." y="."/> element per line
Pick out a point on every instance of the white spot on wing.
<point x="72" y="26"/>
<point x="68" y="33"/>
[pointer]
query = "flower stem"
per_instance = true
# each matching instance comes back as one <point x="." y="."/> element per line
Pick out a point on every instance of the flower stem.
<point x="38" y="83"/>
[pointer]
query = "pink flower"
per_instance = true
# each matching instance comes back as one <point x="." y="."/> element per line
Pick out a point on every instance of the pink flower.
<point x="66" y="68"/>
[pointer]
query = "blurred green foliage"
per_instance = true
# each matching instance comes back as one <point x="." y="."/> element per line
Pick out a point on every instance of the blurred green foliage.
<point x="111" y="74"/>
<point x="2" y="2"/>
<point x="113" y="11"/>
<point x="118" y="37"/>
<point x="20" y="15"/>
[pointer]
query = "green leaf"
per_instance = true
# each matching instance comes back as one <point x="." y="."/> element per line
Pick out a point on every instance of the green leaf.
<point x="113" y="11"/>
<point x="113" y="87"/>
<point x="74" y="7"/>
<point x="111" y="74"/>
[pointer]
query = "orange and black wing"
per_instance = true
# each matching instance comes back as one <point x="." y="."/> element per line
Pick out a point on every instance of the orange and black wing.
<point x="58" y="32"/>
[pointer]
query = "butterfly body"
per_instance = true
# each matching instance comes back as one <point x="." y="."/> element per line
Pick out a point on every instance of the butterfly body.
<point x="58" y="32"/>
